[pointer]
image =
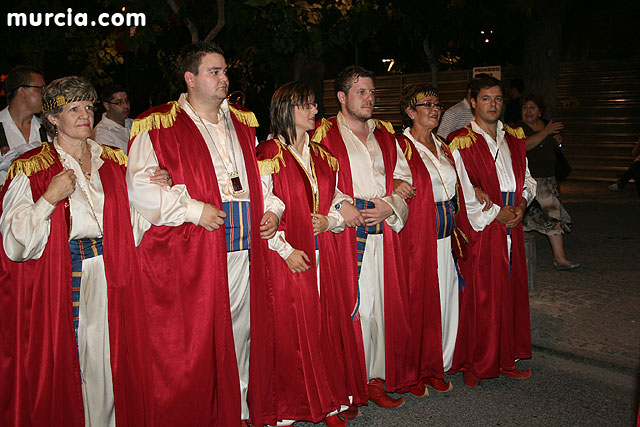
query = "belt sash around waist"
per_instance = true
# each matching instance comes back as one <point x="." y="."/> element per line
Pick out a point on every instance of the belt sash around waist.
<point x="445" y="217"/>
<point x="361" y="241"/>
<point x="237" y="225"/>
<point x="81" y="249"/>
<point x="508" y="199"/>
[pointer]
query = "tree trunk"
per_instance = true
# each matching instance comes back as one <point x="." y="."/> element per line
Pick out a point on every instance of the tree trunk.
<point x="542" y="52"/>
<point x="433" y="63"/>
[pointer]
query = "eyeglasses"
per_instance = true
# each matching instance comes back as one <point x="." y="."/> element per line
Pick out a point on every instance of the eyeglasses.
<point x="118" y="101"/>
<point x="40" y="88"/>
<point x="308" y="105"/>
<point x="431" y="105"/>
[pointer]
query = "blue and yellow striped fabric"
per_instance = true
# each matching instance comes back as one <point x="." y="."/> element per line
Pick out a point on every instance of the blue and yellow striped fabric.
<point x="508" y="199"/>
<point x="445" y="217"/>
<point x="237" y="225"/>
<point x="81" y="249"/>
<point x="361" y="241"/>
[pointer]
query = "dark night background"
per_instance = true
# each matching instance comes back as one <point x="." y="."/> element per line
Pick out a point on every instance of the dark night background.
<point x="270" y="42"/>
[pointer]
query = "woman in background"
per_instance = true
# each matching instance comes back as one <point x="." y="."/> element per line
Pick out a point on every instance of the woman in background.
<point x="549" y="216"/>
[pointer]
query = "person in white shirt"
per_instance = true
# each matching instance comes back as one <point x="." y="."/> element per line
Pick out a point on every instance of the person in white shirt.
<point x="195" y="256"/>
<point x="115" y="126"/>
<point x="494" y="327"/>
<point x="370" y="161"/>
<point x="19" y="123"/>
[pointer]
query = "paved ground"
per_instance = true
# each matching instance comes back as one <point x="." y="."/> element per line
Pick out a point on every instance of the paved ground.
<point x="594" y="311"/>
<point x="585" y="333"/>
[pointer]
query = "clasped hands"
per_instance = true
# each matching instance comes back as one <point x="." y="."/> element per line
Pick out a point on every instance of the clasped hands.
<point x="353" y="217"/>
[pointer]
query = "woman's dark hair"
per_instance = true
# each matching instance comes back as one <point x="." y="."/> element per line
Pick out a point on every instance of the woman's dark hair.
<point x="408" y="98"/>
<point x="536" y="99"/>
<point x="283" y="101"/>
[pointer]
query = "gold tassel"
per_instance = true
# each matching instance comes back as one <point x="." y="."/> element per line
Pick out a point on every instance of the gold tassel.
<point x="517" y="132"/>
<point x="408" y="152"/>
<point x="245" y="117"/>
<point x="321" y="131"/>
<point x="332" y="161"/>
<point x="463" y="141"/>
<point x="387" y="125"/>
<point x="36" y="163"/>
<point x="156" y="120"/>
<point x="115" y="154"/>
<point x="271" y="166"/>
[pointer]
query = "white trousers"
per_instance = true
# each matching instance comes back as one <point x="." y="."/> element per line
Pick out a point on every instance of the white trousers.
<point x="93" y="345"/>
<point x="449" y="296"/>
<point x="238" y="273"/>
<point x="371" y="284"/>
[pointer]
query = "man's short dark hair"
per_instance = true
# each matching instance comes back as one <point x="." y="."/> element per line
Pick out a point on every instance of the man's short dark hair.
<point x="477" y="77"/>
<point x="18" y="76"/>
<point x="483" y="83"/>
<point x="347" y="77"/>
<point x="191" y="56"/>
<point x="108" y="91"/>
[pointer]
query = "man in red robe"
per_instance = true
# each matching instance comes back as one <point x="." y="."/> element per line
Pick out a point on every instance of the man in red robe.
<point x="195" y="256"/>
<point x="494" y="329"/>
<point x="370" y="160"/>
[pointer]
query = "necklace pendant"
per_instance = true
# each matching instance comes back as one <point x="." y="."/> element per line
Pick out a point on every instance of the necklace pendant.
<point x="236" y="184"/>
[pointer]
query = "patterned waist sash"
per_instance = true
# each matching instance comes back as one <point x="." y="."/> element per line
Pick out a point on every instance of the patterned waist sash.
<point x="445" y="217"/>
<point x="237" y="225"/>
<point x="508" y="199"/>
<point x="361" y="241"/>
<point x="81" y="249"/>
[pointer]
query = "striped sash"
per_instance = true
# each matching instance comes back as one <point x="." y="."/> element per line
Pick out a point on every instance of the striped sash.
<point x="237" y="225"/>
<point x="445" y="217"/>
<point x="508" y="199"/>
<point x="361" y="241"/>
<point x="81" y="249"/>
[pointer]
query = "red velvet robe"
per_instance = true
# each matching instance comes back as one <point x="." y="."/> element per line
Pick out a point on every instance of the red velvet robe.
<point x="318" y="364"/>
<point x="398" y="371"/>
<point x="185" y="282"/>
<point x="494" y="325"/>
<point x="419" y="244"/>
<point x="39" y="366"/>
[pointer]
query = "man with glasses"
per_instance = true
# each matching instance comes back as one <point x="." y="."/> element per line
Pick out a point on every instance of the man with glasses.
<point x="115" y="126"/>
<point x="19" y="123"/>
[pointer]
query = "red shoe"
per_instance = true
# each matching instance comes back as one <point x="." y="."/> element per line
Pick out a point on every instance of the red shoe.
<point x="419" y="390"/>
<point x="334" y="421"/>
<point x="516" y="373"/>
<point x="470" y="379"/>
<point x="380" y="397"/>
<point x="438" y="384"/>
<point x="349" y="414"/>
<point x="244" y="423"/>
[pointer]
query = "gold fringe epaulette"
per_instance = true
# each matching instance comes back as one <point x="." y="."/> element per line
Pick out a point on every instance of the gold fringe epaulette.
<point x="156" y="120"/>
<point x="272" y="165"/>
<point x="244" y="117"/>
<point x="387" y="125"/>
<point x="408" y="152"/>
<point x="324" y="155"/>
<point x="463" y="141"/>
<point x="114" y="154"/>
<point x="321" y="131"/>
<point x="36" y="163"/>
<point x="517" y="132"/>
